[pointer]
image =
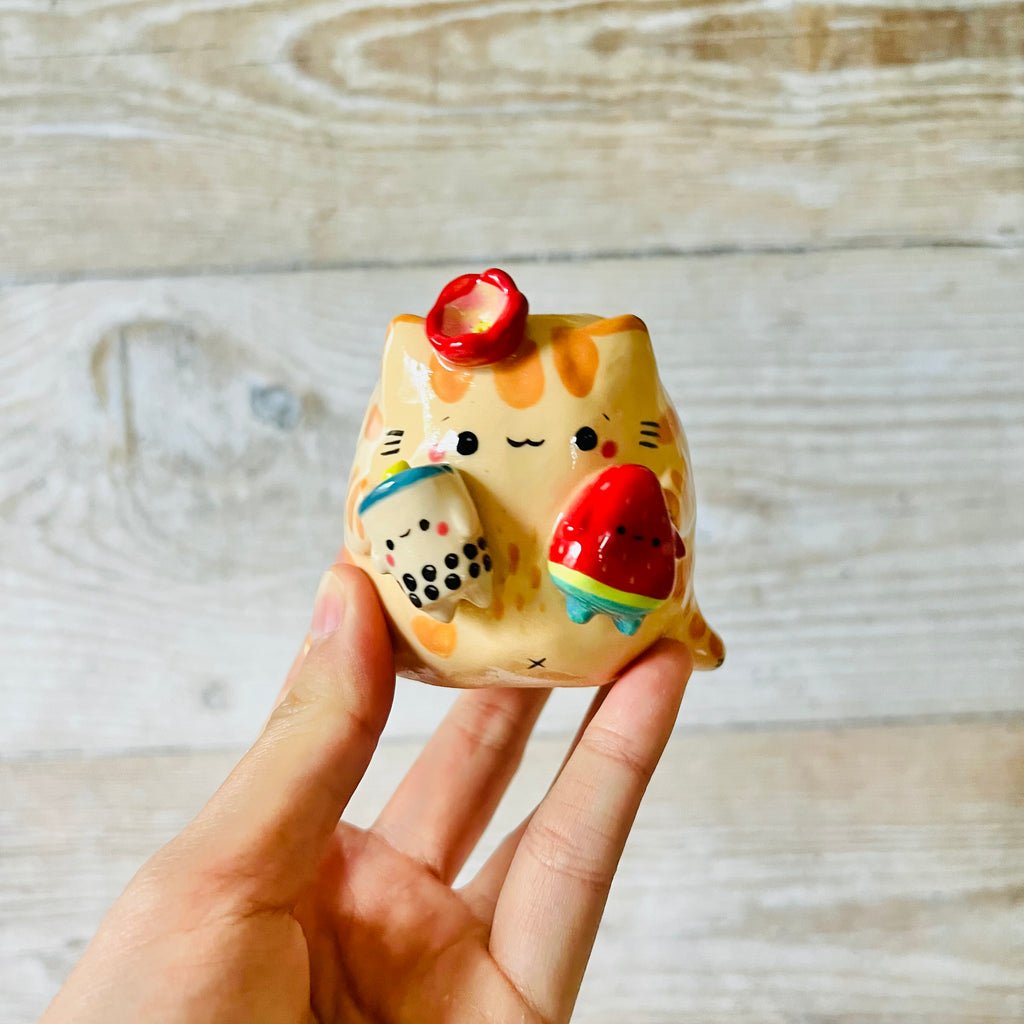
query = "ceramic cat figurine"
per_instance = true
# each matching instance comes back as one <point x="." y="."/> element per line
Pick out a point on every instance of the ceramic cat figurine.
<point x="521" y="495"/>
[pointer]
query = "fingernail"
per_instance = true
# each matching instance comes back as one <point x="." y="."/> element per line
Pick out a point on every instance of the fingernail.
<point x="328" y="607"/>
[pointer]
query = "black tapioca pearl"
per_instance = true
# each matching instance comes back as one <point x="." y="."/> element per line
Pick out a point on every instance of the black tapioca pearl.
<point x="469" y="551"/>
<point x="416" y="602"/>
<point x="656" y="542"/>
<point x="410" y="581"/>
<point x="424" y="524"/>
<point x="620" y="530"/>
<point x="429" y="573"/>
<point x="474" y="570"/>
<point x="452" y="581"/>
<point x="487" y="562"/>
<point x="431" y="592"/>
<point x="451" y="560"/>
<point x="390" y="544"/>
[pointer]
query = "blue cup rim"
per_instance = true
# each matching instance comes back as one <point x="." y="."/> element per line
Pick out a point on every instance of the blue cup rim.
<point x="400" y="481"/>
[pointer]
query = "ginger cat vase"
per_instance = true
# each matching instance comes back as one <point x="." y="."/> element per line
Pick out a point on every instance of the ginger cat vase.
<point x="522" y="497"/>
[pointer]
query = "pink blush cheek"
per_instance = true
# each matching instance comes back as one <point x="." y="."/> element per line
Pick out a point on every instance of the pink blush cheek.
<point x="391" y="560"/>
<point x="442" y="529"/>
<point x="435" y="454"/>
<point x="609" y="449"/>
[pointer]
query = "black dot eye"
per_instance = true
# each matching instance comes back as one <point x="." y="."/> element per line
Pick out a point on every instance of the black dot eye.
<point x="468" y="443"/>
<point x="620" y="530"/>
<point x="424" y="524"/>
<point x="656" y="542"/>
<point x="585" y="439"/>
<point x="390" y="544"/>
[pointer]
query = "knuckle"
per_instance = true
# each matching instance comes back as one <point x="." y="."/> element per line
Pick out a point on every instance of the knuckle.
<point x="332" y="701"/>
<point x="619" y="751"/>
<point x="577" y="858"/>
<point x="488" y="724"/>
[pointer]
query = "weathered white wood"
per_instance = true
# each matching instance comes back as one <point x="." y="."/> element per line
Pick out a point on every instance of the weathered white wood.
<point x="173" y="134"/>
<point x="856" y="422"/>
<point x="846" y="875"/>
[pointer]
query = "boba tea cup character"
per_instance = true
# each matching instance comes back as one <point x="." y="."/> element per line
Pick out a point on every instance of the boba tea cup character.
<point x="543" y="451"/>
<point x="424" y="530"/>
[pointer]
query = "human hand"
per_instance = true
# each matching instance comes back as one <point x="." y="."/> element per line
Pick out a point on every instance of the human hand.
<point x="266" y="909"/>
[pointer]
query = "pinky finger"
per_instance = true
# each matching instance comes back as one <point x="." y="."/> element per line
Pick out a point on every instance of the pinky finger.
<point x="550" y="905"/>
<point x="481" y="892"/>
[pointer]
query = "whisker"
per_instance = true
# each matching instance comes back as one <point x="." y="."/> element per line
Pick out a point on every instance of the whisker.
<point x="649" y="423"/>
<point x="392" y="433"/>
<point x="649" y="433"/>
<point x="647" y="444"/>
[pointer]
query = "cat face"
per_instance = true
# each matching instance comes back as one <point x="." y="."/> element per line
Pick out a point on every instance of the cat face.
<point x="579" y="395"/>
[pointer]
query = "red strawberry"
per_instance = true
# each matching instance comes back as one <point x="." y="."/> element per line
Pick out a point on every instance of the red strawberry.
<point x="478" y="319"/>
<point x="614" y="549"/>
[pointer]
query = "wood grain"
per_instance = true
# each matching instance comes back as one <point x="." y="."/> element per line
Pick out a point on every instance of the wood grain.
<point x="840" y="875"/>
<point x="165" y="134"/>
<point x="176" y="452"/>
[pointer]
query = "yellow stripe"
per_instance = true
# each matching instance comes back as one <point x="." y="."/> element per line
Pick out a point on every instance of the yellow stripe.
<point x="602" y="590"/>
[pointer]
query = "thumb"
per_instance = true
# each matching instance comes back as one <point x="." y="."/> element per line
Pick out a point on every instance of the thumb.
<point x="267" y="826"/>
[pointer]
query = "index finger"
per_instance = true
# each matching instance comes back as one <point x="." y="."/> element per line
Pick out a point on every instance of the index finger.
<point x="550" y="906"/>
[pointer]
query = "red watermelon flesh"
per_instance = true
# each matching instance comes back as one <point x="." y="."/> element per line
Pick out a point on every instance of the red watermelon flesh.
<point x="619" y="533"/>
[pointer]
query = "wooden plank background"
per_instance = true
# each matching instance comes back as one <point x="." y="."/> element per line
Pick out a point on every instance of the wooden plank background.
<point x="857" y="453"/>
<point x="208" y="212"/>
<point x="171" y="134"/>
<point x="867" y="874"/>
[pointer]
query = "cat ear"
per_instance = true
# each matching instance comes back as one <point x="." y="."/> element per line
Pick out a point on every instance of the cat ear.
<point x="627" y="324"/>
<point x="624" y="360"/>
<point x="406" y="338"/>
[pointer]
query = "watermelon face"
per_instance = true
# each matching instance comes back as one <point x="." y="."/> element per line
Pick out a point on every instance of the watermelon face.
<point x="614" y="549"/>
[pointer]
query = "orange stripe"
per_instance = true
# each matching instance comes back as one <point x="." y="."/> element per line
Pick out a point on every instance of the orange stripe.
<point x="576" y="359"/>
<point x="449" y="385"/>
<point x="520" y="378"/>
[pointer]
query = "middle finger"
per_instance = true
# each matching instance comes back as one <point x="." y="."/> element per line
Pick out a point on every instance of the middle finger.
<point x="444" y="803"/>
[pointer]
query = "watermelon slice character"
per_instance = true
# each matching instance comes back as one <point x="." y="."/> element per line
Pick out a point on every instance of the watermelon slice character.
<point x="614" y="550"/>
